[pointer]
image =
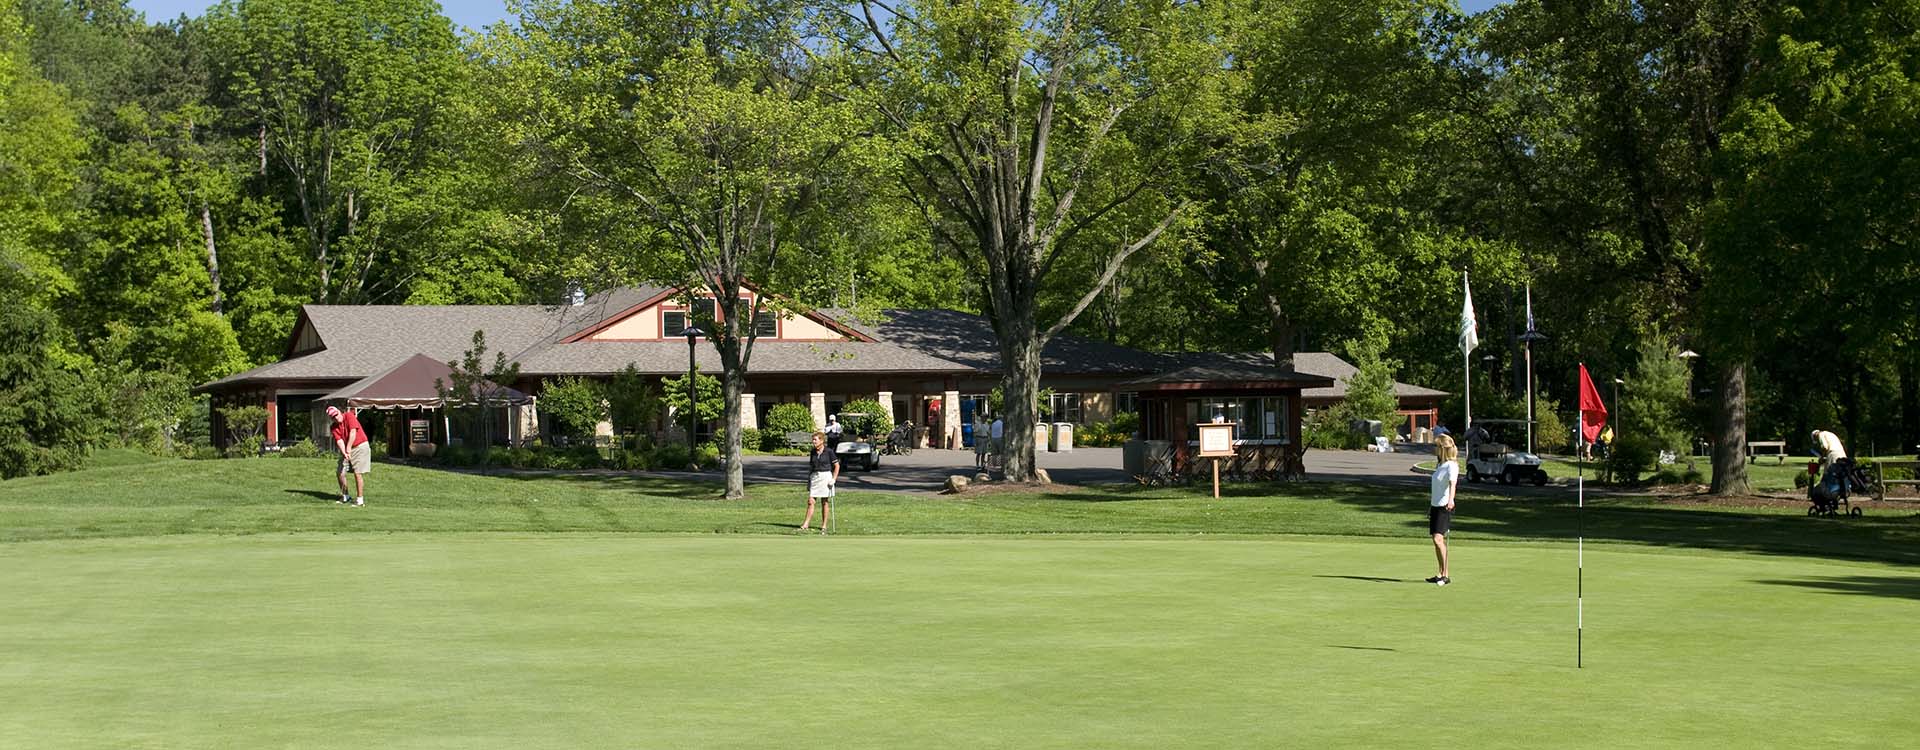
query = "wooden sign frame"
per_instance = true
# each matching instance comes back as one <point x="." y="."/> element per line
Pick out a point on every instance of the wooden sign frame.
<point x="1216" y="440"/>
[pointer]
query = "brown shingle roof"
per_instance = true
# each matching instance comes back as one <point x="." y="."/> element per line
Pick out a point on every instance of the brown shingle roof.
<point x="1318" y="363"/>
<point x="968" y="339"/>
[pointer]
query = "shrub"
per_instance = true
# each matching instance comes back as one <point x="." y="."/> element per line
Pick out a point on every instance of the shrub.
<point x="303" y="449"/>
<point x="202" y="453"/>
<point x="1328" y="429"/>
<point x="578" y="405"/>
<point x="629" y="460"/>
<point x="672" y="456"/>
<point x="247" y="447"/>
<point x="707" y="454"/>
<point x="1801" y="479"/>
<point x="875" y="423"/>
<point x="499" y="455"/>
<point x="244" y="422"/>
<point x="631" y="400"/>
<point x="751" y="439"/>
<point x="1630" y="457"/>
<point x="783" y="419"/>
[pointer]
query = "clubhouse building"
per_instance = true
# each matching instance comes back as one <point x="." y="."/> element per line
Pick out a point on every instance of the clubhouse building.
<point x="933" y="367"/>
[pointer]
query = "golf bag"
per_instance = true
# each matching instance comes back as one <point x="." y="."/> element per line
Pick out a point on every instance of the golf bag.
<point x="1832" y="492"/>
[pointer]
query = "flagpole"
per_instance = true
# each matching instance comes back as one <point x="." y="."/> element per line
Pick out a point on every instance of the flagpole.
<point x="1529" y="338"/>
<point x="1580" y="534"/>
<point x="1466" y="354"/>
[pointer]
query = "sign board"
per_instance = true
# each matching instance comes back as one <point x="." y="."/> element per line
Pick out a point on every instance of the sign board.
<point x="1216" y="440"/>
<point x="419" y="431"/>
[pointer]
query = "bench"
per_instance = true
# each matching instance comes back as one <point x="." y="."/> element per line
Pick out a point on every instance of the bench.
<point x="1775" y="448"/>
<point x="1880" y="480"/>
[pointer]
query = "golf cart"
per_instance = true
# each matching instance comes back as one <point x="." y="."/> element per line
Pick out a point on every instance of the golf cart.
<point x="1489" y="458"/>
<point x="857" y="451"/>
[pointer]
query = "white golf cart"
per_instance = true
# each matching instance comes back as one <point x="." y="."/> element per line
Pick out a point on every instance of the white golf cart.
<point x="856" y="451"/>
<point x="1488" y="456"/>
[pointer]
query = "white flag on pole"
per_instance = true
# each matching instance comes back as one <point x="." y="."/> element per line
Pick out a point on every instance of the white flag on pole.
<point x="1469" y="329"/>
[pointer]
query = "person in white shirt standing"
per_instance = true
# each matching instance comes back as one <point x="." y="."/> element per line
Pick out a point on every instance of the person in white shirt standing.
<point x="1446" y="475"/>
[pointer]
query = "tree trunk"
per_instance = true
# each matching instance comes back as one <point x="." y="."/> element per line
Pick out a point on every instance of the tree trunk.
<point x="1909" y="431"/>
<point x="1730" y="433"/>
<point x="1280" y="328"/>
<point x="213" y="256"/>
<point x="1020" y="351"/>
<point x="732" y="384"/>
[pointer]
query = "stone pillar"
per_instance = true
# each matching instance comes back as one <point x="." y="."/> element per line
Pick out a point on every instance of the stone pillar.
<point x="272" y="432"/>
<point x="529" y="424"/>
<point x="886" y="406"/>
<point x="818" y="402"/>
<point x="950" y="419"/>
<point x="749" y="412"/>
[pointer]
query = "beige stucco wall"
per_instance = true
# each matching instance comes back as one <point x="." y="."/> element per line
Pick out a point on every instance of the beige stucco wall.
<point x="799" y="327"/>
<point x="1096" y="406"/>
<point x="644" y="324"/>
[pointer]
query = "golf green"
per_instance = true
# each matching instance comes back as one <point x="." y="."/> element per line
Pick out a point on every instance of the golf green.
<point x="588" y="640"/>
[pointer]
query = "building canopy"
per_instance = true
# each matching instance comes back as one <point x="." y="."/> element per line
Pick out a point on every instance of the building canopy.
<point x="414" y="384"/>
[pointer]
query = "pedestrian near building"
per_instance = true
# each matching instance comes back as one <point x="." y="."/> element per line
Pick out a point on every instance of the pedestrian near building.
<point x="823" y="471"/>
<point x="356" y="455"/>
<point x="982" y="442"/>
<point x="1440" y="497"/>
<point x="999" y="432"/>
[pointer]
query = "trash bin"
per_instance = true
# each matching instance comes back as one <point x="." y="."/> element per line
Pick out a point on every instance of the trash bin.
<point x="1041" y="433"/>
<point x="1133" y="457"/>
<point x="1063" y="437"/>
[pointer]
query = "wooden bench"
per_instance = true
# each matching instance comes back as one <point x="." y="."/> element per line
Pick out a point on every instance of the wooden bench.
<point x="1880" y="480"/>
<point x="1775" y="448"/>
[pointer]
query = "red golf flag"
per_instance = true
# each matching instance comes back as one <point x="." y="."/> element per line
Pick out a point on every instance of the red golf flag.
<point x="1593" y="411"/>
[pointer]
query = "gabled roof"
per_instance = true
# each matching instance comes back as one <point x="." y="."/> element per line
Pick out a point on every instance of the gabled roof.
<point x="364" y="339"/>
<point x="969" y="340"/>
<point x="1324" y="364"/>
<point x="769" y="356"/>
<point x="414" y="383"/>
<point x="1217" y="370"/>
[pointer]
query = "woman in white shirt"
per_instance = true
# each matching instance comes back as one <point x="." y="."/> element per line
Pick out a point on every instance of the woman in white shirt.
<point x="1446" y="475"/>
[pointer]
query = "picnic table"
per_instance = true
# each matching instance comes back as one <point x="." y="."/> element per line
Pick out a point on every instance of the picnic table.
<point x="1775" y="448"/>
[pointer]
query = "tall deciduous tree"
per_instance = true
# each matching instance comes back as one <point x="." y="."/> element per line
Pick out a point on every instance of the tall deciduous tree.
<point x="704" y="125"/>
<point x="1037" y="130"/>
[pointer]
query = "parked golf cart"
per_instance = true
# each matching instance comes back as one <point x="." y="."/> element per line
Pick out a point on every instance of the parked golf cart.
<point x="857" y="451"/>
<point x="1488" y="456"/>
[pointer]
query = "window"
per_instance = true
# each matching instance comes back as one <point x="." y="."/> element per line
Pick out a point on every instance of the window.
<point x="764" y="325"/>
<point x="673" y="323"/>
<point x="1257" y="418"/>
<point x="1064" y="407"/>
<point x="1127" y="403"/>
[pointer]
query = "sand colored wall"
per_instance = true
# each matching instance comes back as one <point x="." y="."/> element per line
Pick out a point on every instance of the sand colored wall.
<point x="800" y="327"/>
<point x="644" y="324"/>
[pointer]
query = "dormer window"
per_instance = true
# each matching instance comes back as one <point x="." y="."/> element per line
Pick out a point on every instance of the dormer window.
<point x="673" y="323"/>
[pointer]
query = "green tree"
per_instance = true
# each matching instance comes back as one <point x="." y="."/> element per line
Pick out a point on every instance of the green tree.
<point x="49" y="413"/>
<point x="1034" y="130"/>
<point x="712" y="401"/>
<point x="632" y="400"/>
<point x="1654" y="403"/>
<point x="703" y="119"/>
<point x="578" y="405"/>
<point x="474" y="389"/>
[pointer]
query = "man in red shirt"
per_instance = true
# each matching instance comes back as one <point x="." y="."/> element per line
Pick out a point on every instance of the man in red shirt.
<point x="350" y="440"/>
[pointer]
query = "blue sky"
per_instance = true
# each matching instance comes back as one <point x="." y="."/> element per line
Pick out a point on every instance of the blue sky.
<point x="478" y="13"/>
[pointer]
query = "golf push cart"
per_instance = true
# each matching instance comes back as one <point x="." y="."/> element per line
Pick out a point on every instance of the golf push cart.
<point x="1488" y="456"/>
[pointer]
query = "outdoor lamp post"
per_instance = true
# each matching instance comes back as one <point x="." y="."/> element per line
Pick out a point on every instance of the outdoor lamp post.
<point x="1529" y="337"/>
<point x="693" y="335"/>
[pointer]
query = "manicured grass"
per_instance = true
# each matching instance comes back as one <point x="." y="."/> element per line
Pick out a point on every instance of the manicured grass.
<point x="585" y="640"/>
<point x="232" y="604"/>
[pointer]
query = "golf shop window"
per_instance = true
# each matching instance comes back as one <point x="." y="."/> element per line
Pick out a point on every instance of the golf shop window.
<point x="764" y="325"/>
<point x="1262" y="418"/>
<point x="1064" y="407"/>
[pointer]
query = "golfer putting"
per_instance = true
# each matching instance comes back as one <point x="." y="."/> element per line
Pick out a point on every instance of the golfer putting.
<point x="356" y="456"/>
<point x="823" y="471"/>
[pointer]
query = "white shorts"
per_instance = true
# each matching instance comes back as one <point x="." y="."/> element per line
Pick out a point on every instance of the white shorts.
<point x="820" y="484"/>
<point x="357" y="460"/>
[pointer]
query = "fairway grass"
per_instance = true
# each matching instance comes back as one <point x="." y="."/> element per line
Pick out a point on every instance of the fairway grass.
<point x="593" y="640"/>
<point x="231" y="604"/>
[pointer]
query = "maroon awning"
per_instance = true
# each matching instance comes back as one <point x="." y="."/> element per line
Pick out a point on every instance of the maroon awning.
<point x="414" y="384"/>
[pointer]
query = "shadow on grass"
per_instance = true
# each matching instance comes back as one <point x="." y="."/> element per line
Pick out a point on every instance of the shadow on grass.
<point x="1364" y="648"/>
<point x="1374" y="579"/>
<point x="1894" y="587"/>
<point x="315" y="494"/>
<point x="1556" y="517"/>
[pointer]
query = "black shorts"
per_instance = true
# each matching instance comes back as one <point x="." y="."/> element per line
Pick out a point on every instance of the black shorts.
<point x="1439" y="519"/>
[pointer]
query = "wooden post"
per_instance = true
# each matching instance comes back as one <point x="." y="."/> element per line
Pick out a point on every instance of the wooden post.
<point x="1216" y="479"/>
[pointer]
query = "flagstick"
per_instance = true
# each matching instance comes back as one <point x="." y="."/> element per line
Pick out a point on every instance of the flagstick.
<point x="1580" y="535"/>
